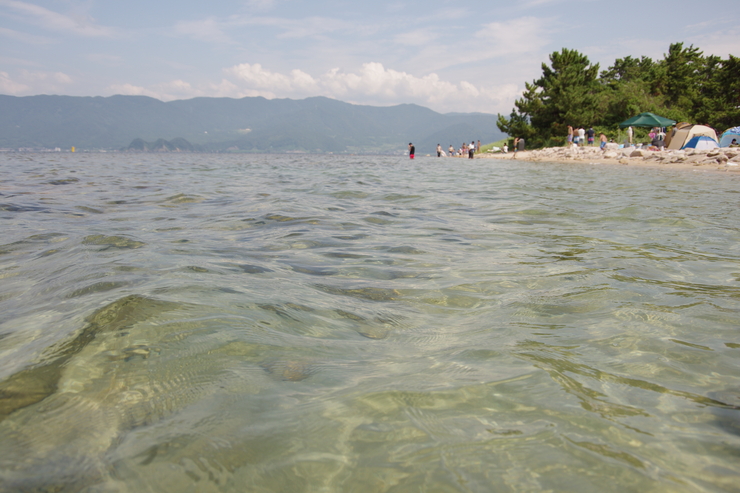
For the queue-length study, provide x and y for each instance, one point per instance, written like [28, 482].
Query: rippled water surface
[204, 323]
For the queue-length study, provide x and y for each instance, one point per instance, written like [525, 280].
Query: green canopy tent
[647, 120]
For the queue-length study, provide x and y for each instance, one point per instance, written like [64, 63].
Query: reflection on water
[282, 323]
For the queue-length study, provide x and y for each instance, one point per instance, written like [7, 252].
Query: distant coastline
[315, 125]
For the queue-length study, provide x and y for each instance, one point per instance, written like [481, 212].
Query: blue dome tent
[729, 135]
[701, 142]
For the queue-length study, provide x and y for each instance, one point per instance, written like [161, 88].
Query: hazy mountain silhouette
[218, 124]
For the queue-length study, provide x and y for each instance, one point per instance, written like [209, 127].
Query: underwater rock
[34, 384]
[290, 370]
[373, 294]
[112, 242]
[727, 416]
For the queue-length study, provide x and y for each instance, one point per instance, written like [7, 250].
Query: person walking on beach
[581, 136]
[590, 135]
[477, 147]
[518, 146]
[570, 136]
[412, 150]
[471, 150]
[439, 150]
[630, 132]
[452, 150]
[602, 138]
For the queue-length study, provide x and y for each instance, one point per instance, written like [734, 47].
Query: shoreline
[720, 159]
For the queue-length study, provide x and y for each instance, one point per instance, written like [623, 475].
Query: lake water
[208, 323]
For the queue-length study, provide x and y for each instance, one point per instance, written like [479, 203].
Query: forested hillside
[235, 125]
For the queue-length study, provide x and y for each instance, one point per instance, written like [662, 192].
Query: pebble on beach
[723, 158]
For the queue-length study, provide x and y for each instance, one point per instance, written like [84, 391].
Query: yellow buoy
[73, 148]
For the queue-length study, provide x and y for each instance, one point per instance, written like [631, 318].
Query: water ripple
[335, 323]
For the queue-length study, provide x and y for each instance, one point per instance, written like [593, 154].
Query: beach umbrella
[701, 142]
[647, 120]
[728, 135]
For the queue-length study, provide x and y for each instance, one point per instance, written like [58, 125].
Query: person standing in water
[439, 150]
[412, 150]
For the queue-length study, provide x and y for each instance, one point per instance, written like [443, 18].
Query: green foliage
[683, 86]
[719, 100]
[567, 93]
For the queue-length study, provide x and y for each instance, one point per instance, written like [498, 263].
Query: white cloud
[259, 78]
[180, 89]
[132, 90]
[10, 86]
[57, 78]
[224, 89]
[374, 84]
[34, 82]
[80, 25]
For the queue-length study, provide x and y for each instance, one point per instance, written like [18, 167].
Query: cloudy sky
[445, 55]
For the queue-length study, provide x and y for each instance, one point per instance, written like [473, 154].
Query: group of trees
[684, 86]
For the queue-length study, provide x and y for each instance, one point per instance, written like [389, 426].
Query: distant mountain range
[232, 125]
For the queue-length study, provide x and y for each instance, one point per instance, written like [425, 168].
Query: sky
[450, 56]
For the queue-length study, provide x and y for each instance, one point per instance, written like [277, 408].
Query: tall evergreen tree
[628, 69]
[679, 76]
[566, 94]
[718, 103]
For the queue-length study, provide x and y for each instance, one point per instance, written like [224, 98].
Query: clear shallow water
[302, 323]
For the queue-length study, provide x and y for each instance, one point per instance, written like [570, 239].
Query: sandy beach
[721, 159]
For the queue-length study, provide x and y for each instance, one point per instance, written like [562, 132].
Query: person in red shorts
[412, 150]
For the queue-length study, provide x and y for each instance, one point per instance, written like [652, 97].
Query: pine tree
[566, 94]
